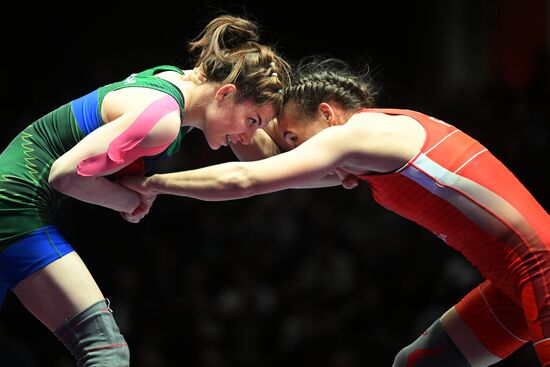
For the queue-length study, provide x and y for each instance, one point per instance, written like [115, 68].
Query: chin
[213, 146]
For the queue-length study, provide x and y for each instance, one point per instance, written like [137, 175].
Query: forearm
[225, 181]
[99, 191]
[309, 165]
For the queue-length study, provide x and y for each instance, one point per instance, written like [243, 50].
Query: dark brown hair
[320, 79]
[229, 52]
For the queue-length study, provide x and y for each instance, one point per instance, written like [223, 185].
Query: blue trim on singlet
[86, 113]
[33, 252]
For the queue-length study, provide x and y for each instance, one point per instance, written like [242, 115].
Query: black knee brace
[434, 348]
[94, 339]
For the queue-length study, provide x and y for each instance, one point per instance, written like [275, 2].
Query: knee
[94, 339]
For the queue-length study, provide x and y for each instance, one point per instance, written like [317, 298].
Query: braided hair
[229, 52]
[318, 80]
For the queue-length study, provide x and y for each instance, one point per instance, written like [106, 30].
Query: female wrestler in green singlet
[78, 150]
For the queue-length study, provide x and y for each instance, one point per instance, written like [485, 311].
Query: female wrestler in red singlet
[425, 170]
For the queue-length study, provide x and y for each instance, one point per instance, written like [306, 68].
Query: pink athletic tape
[124, 148]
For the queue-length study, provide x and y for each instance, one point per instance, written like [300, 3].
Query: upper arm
[311, 161]
[109, 148]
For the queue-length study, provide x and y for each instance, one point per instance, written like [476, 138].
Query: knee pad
[433, 348]
[94, 339]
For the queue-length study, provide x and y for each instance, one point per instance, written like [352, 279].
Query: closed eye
[290, 138]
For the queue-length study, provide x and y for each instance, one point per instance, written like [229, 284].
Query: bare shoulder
[387, 127]
[378, 120]
[123, 107]
[381, 142]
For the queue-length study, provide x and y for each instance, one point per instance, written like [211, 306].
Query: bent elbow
[59, 179]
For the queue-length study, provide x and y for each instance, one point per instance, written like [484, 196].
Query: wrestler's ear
[224, 91]
[327, 113]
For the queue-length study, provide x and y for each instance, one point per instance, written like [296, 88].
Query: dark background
[298, 278]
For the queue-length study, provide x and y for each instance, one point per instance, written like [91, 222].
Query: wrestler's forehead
[288, 115]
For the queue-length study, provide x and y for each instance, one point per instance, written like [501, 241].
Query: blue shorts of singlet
[30, 254]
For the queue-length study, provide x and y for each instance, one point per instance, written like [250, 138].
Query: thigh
[486, 325]
[59, 290]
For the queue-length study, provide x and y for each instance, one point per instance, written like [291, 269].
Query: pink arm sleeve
[124, 148]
